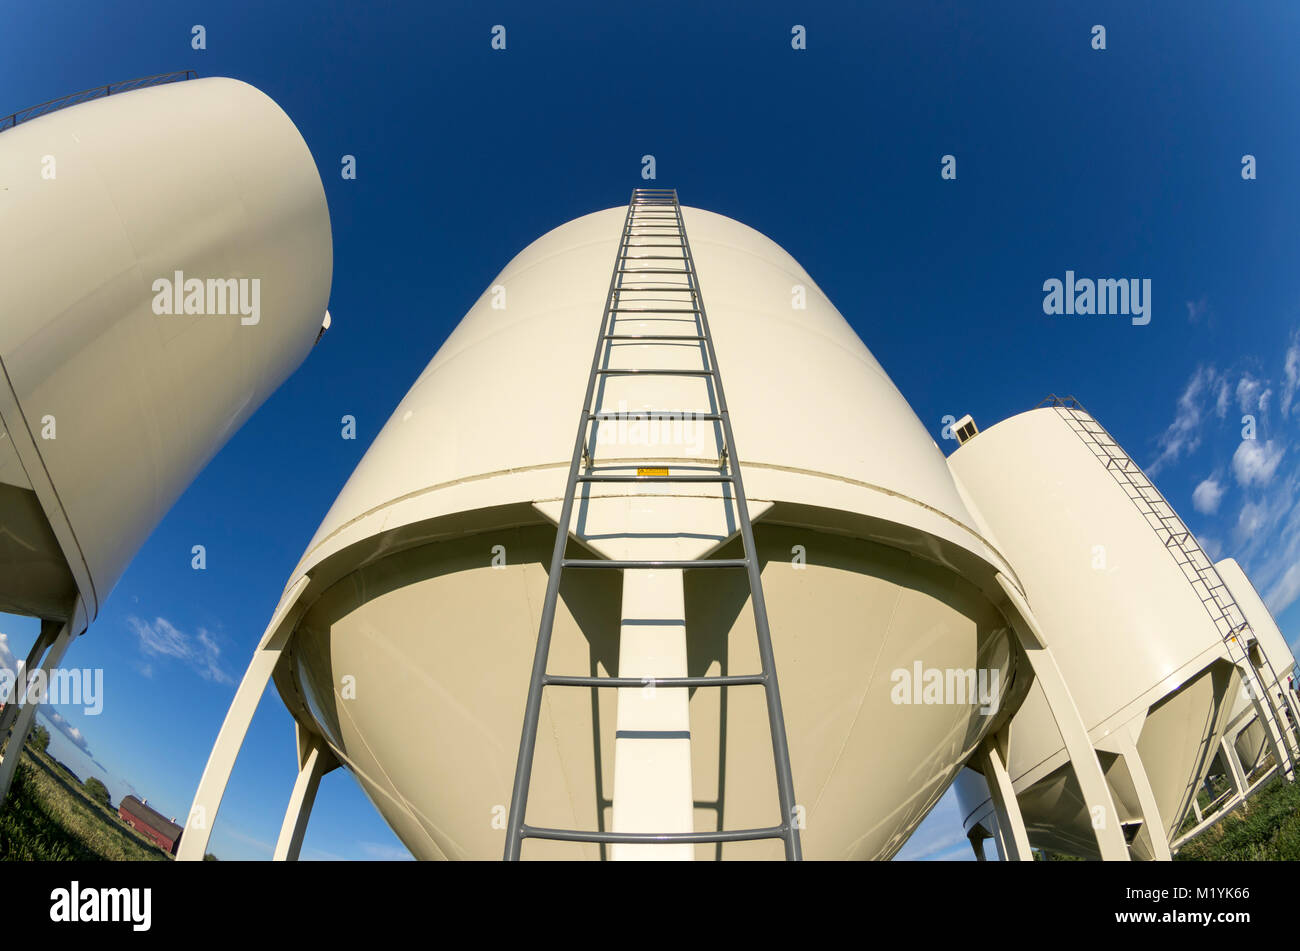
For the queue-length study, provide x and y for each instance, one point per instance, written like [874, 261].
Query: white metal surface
[1134, 643]
[653, 791]
[426, 575]
[114, 408]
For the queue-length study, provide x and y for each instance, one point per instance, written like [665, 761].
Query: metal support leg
[49, 631]
[1013, 844]
[977, 845]
[1270, 716]
[26, 716]
[207, 799]
[1293, 721]
[1137, 771]
[1083, 757]
[298, 813]
[1235, 772]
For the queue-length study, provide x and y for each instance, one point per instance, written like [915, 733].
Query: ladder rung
[692, 477]
[731, 680]
[678, 565]
[633, 415]
[654, 221]
[632, 838]
[653, 310]
[649, 337]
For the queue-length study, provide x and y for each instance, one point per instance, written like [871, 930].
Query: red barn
[164, 832]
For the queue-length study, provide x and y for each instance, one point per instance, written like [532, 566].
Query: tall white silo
[1150, 640]
[166, 260]
[403, 642]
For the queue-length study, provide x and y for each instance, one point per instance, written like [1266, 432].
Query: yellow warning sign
[652, 472]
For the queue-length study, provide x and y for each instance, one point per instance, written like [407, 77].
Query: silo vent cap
[965, 429]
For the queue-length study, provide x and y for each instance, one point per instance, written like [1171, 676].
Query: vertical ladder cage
[654, 222]
[1194, 563]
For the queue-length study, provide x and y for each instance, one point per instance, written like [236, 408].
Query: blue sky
[1117, 163]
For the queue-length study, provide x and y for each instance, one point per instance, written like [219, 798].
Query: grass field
[49, 817]
[1267, 831]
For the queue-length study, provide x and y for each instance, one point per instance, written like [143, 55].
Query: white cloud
[1255, 463]
[1291, 372]
[1284, 591]
[1183, 434]
[161, 638]
[1207, 495]
[1248, 392]
[63, 726]
[1250, 521]
[1212, 547]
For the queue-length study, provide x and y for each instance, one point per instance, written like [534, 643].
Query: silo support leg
[1013, 839]
[49, 630]
[653, 791]
[1123, 743]
[294, 828]
[977, 845]
[1293, 720]
[1237, 774]
[1083, 757]
[212, 787]
[26, 715]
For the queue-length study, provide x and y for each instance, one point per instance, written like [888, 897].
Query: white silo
[1150, 640]
[403, 642]
[166, 261]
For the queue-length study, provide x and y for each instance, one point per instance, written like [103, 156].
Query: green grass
[48, 817]
[1268, 830]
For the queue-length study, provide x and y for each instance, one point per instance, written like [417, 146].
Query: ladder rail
[533, 704]
[1207, 583]
[767, 659]
[633, 229]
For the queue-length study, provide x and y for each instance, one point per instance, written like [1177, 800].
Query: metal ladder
[654, 222]
[1192, 560]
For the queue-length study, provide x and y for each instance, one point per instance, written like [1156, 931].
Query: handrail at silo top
[86, 95]
[1067, 401]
